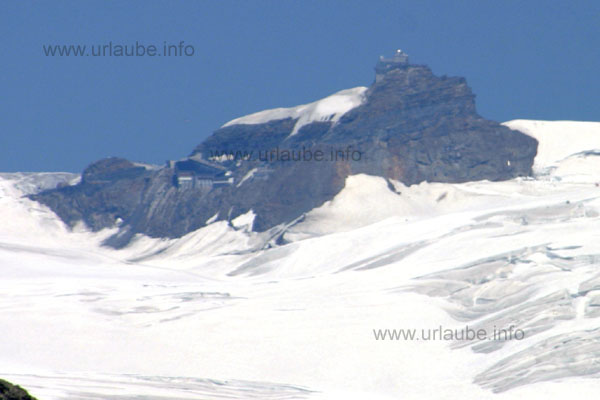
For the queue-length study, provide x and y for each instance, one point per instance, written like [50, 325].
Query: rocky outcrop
[109, 189]
[425, 128]
[412, 126]
[9, 391]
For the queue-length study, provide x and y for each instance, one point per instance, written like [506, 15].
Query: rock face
[412, 126]
[9, 391]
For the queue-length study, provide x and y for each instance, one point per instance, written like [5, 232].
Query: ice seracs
[329, 109]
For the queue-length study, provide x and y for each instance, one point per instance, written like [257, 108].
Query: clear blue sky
[535, 59]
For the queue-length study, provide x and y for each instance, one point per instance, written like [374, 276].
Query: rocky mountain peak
[409, 125]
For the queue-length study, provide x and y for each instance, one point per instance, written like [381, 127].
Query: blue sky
[523, 59]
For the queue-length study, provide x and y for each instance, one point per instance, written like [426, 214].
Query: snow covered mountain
[409, 126]
[300, 312]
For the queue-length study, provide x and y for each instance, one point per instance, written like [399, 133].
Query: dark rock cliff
[412, 126]
[9, 391]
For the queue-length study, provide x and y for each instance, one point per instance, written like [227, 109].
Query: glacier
[224, 312]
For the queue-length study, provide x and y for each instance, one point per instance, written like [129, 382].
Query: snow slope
[560, 142]
[217, 314]
[331, 108]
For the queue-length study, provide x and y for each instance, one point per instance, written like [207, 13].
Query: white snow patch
[330, 108]
[212, 219]
[248, 175]
[244, 221]
[366, 200]
[558, 140]
[35, 182]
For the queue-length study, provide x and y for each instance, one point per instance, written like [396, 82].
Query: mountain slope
[215, 314]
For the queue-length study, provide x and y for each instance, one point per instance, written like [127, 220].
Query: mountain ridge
[410, 126]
